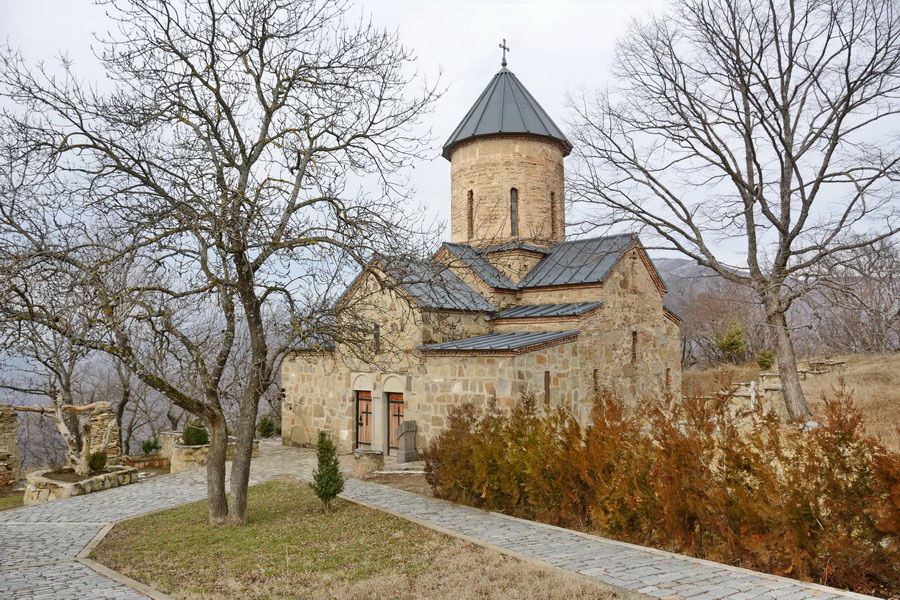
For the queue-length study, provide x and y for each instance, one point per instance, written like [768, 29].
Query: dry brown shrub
[694, 477]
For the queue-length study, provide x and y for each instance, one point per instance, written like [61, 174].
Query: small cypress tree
[733, 344]
[328, 481]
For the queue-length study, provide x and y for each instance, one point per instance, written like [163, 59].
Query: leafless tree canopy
[751, 133]
[246, 156]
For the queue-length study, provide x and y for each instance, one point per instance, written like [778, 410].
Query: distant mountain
[683, 277]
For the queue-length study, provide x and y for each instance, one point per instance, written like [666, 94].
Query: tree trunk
[255, 386]
[794, 400]
[240, 466]
[217, 502]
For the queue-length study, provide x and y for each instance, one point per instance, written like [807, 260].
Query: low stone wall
[167, 441]
[40, 489]
[187, 457]
[146, 462]
[9, 450]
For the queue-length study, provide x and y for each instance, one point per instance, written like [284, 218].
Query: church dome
[505, 106]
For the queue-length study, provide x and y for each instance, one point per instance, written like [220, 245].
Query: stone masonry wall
[9, 450]
[102, 419]
[320, 391]
[632, 304]
[490, 167]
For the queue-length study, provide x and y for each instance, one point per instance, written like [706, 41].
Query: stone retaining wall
[146, 462]
[187, 457]
[40, 489]
[9, 450]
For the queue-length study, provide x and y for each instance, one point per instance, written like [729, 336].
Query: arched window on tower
[514, 211]
[554, 221]
[470, 215]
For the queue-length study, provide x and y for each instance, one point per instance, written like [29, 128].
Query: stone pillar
[102, 418]
[9, 450]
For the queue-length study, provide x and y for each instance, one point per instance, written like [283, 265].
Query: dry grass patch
[290, 549]
[874, 383]
[872, 379]
[709, 381]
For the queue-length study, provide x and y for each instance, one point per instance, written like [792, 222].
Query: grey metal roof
[505, 106]
[580, 261]
[500, 341]
[514, 245]
[435, 286]
[669, 310]
[488, 273]
[572, 309]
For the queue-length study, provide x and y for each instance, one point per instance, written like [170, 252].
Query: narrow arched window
[554, 225]
[514, 211]
[470, 215]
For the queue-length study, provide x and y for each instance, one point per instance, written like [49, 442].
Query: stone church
[508, 307]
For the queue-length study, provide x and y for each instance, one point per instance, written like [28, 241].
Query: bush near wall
[693, 477]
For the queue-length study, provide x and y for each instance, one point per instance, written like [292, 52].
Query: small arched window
[554, 221]
[514, 211]
[470, 215]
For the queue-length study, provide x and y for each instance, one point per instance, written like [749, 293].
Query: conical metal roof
[505, 106]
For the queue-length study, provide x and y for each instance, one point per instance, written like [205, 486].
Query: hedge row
[692, 477]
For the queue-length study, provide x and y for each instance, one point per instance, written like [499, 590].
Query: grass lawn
[290, 549]
[13, 500]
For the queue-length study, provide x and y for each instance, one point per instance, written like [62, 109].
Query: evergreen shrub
[693, 476]
[150, 446]
[328, 481]
[97, 461]
[266, 427]
[765, 360]
[195, 433]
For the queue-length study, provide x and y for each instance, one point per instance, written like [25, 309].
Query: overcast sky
[557, 47]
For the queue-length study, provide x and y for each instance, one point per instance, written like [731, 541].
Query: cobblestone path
[655, 573]
[39, 545]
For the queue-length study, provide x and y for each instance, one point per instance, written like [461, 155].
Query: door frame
[391, 398]
[356, 397]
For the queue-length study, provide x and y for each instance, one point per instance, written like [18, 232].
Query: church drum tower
[506, 170]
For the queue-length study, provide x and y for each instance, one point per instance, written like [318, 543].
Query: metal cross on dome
[505, 49]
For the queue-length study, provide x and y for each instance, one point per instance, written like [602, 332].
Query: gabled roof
[571, 309]
[580, 261]
[435, 286]
[505, 106]
[502, 342]
[514, 245]
[484, 270]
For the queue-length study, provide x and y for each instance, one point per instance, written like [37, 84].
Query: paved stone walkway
[39, 545]
[654, 573]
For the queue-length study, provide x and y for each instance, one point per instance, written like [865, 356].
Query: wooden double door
[396, 409]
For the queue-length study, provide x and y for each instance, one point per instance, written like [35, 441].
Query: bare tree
[245, 159]
[856, 304]
[759, 129]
